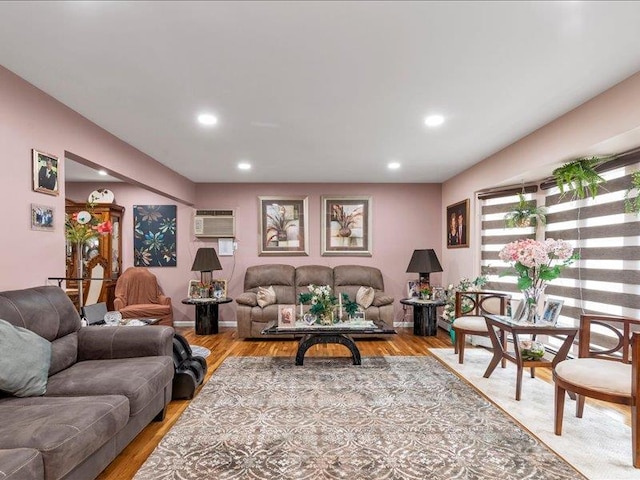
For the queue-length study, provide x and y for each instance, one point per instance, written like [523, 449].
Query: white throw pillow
[266, 296]
[24, 361]
[364, 297]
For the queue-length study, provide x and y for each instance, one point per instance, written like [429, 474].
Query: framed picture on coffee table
[286, 315]
[346, 226]
[284, 226]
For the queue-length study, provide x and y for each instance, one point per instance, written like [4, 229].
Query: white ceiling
[321, 91]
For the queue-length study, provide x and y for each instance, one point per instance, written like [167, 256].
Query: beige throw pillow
[266, 296]
[364, 297]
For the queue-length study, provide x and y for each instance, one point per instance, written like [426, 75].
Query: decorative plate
[102, 195]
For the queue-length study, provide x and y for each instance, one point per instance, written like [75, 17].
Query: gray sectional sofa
[105, 384]
[288, 282]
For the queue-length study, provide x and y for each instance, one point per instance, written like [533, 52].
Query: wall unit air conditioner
[214, 223]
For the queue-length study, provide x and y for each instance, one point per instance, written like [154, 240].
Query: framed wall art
[284, 228]
[154, 236]
[458, 225]
[42, 217]
[346, 226]
[45, 172]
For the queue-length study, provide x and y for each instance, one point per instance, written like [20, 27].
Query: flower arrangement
[465, 285]
[321, 298]
[85, 225]
[536, 263]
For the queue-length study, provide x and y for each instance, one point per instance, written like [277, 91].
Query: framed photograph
[219, 288]
[42, 217]
[346, 226]
[284, 226]
[358, 316]
[45, 172]
[286, 315]
[458, 225]
[194, 289]
[551, 312]
[413, 289]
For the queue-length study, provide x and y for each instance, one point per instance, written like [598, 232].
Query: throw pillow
[266, 296]
[364, 297]
[24, 361]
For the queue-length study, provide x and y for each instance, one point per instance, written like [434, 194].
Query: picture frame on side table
[551, 311]
[42, 217]
[194, 290]
[284, 228]
[219, 288]
[457, 227]
[413, 289]
[346, 226]
[45, 172]
[286, 315]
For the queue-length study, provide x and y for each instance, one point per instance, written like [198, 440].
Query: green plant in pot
[525, 214]
[632, 204]
[579, 177]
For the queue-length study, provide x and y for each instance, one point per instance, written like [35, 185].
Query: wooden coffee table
[338, 333]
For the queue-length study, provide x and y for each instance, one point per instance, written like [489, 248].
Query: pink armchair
[138, 295]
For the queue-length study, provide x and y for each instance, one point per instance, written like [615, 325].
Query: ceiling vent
[214, 223]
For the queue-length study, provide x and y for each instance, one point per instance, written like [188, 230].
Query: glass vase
[532, 298]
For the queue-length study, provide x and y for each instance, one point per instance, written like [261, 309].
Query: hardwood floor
[226, 344]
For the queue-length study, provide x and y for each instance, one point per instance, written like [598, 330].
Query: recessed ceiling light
[244, 166]
[434, 120]
[393, 165]
[207, 119]
[102, 172]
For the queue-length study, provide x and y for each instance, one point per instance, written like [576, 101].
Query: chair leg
[559, 410]
[460, 338]
[455, 344]
[579, 405]
[533, 372]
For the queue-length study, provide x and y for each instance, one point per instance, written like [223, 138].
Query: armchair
[138, 295]
[611, 374]
[469, 319]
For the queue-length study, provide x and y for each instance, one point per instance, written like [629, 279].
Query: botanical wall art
[154, 237]
[346, 226]
[45, 172]
[458, 224]
[42, 217]
[283, 226]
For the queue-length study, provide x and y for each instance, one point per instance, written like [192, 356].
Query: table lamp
[424, 262]
[206, 261]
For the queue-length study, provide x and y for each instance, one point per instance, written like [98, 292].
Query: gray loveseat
[105, 385]
[289, 281]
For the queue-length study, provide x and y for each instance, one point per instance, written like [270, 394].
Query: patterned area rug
[391, 418]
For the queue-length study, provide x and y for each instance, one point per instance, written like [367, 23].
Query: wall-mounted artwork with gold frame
[346, 226]
[457, 228]
[45, 172]
[284, 226]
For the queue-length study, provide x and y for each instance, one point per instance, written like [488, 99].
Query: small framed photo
[413, 289]
[458, 225]
[551, 312]
[358, 316]
[42, 217]
[45, 173]
[219, 288]
[194, 289]
[286, 315]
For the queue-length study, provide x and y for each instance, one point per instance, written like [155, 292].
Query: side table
[206, 313]
[425, 321]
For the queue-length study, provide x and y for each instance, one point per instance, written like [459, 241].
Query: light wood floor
[226, 344]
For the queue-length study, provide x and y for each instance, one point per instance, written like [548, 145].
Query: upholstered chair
[138, 295]
[609, 374]
[469, 311]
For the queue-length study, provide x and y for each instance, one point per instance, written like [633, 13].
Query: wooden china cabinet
[108, 246]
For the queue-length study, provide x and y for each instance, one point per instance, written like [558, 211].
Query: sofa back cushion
[280, 277]
[312, 275]
[49, 312]
[349, 278]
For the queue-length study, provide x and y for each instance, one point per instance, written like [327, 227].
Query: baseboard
[403, 324]
[192, 323]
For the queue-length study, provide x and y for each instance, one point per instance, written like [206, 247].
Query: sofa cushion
[380, 300]
[146, 310]
[139, 379]
[247, 298]
[357, 275]
[21, 464]
[24, 361]
[266, 296]
[65, 430]
[364, 296]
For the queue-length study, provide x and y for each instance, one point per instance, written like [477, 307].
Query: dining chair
[609, 372]
[470, 308]
[95, 289]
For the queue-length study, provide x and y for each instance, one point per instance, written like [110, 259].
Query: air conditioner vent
[215, 213]
[214, 223]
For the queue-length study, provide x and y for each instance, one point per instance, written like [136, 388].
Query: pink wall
[605, 124]
[31, 119]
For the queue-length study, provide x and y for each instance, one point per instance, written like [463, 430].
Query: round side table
[206, 313]
[425, 321]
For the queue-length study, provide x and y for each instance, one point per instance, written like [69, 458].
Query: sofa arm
[380, 300]
[250, 299]
[105, 343]
[164, 300]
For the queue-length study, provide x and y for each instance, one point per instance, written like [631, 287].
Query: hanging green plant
[579, 177]
[525, 214]
[632, 204]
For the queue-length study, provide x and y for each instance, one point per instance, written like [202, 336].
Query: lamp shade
[424, 261]
[206, 260]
